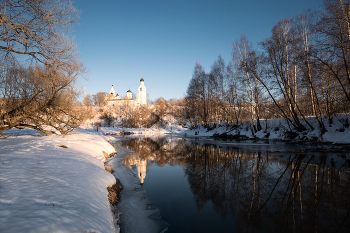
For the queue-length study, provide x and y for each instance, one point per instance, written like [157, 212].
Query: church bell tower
[141, 94]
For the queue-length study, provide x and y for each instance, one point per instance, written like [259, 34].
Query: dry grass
[107, 168]
[113, 193]
[107, 156]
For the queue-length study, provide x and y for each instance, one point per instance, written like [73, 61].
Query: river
[205, 185]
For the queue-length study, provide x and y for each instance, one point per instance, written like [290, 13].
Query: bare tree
[233, 97]
[42, 98]
[39, 66]
[279, 58]
[88, 100]
[195, 96]
[35, 29]
[99, 98]
[161, 106]
[306, 52]
[333, 39]
[219, 74]
[247, 73]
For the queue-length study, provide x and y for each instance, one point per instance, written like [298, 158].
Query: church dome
[142, 80]
[129, 91]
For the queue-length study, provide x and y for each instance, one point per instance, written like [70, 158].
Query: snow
[46, 187]
[168, 126]
[278, 129]
[273, 129]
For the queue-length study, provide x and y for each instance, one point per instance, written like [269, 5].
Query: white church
[114, 99]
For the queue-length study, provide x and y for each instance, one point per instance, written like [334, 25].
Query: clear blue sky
[122, 40]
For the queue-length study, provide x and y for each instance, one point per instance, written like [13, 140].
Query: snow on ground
[45, 187]
[273, 129]
[278, 129]
[168, 125]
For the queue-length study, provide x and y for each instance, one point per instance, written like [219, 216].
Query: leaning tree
[38, 65]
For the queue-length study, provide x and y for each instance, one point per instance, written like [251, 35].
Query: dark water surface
[211, 186]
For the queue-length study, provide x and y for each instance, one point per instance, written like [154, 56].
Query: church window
[140, 88]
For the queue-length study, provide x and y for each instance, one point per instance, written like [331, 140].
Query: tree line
[302, 69]
[130, 116]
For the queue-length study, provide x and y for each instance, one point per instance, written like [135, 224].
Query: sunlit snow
[45, 187]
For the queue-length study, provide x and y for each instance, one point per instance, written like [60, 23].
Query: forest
[302, 69]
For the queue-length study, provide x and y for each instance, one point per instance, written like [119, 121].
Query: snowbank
[278, 129]
[167, 125]
[338, 132]
[54, 183]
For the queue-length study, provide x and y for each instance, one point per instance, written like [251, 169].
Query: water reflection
[262, 192]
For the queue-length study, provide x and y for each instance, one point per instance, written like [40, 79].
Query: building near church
[114, 99]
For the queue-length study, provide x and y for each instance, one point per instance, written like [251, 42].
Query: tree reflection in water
[290, 193]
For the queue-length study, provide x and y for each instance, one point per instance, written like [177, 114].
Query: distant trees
[137, 117]
[220, 96]
[160, 105]
[99, 98]
[39, 66]
[134, 116]
[197, 111]
[208, 95]
[301, 69]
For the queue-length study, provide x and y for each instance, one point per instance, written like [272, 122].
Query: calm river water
[217, 186]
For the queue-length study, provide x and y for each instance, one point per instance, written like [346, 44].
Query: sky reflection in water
[204, 187]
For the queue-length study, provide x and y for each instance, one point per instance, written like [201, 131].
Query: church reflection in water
[145, 149]
[141, 165]
[262, 191]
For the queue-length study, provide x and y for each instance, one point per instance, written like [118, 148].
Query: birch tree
[333, 30]
[278, 51]
[304, 28]
[242, 51]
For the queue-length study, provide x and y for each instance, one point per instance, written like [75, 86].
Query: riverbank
[336, 132]
[55, 183]
[279, 130]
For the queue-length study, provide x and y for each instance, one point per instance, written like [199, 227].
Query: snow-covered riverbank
[278, 129]
[273, 129]
[54, 183]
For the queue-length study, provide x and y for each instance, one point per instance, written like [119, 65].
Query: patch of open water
[211, 186]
